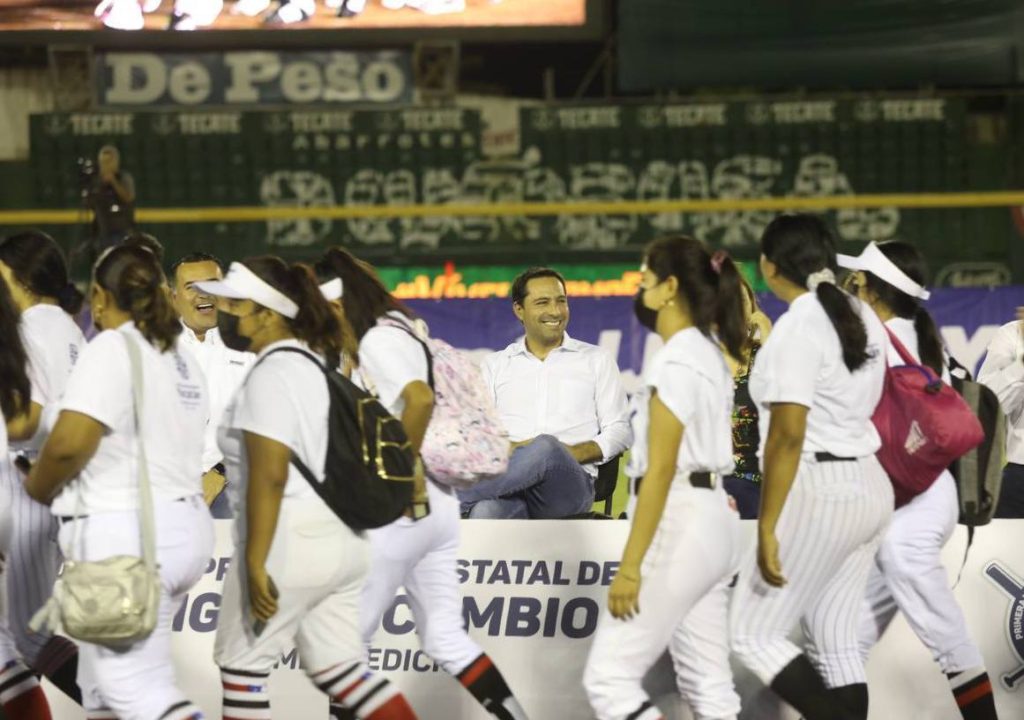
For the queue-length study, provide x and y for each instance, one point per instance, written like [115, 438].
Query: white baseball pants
[908, 575]
[421, 556]
[829, 531]
[683, 606]
[318, 565]
[139, 684]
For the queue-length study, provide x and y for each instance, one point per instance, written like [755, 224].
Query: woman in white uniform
[88, 470]
[419, 555]
[671, 589]
[36, 273]
[825, 500]
[298, 571]
[20, 693]
[908, 574]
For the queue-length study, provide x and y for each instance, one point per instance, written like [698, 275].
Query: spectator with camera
[111, 197]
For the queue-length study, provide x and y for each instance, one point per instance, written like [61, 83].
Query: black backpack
[370, 464]
[979, 473]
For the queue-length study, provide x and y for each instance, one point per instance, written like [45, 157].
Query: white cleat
[120, 14]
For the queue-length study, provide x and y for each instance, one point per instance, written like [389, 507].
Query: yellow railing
[1008, 198]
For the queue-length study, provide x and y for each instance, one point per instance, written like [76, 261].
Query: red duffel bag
[924, 423]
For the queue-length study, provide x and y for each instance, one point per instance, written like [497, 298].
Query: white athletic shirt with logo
[224, 370]
[284, 398]
[802, 363]
[53, 343]
[690, 376]
[175, 412]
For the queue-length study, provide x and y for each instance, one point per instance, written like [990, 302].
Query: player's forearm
[55, 467]
[781, 461]
[263, 507]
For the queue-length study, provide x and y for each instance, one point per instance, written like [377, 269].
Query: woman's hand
[262, 594]
[624, 595]
[768, 560]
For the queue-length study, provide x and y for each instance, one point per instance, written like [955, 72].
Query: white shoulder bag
[111, 602]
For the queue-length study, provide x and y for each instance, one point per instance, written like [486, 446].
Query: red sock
[368, 696]
[397, 708]
[20, 694]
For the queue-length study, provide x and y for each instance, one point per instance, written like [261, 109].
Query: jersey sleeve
[678, 386]
[100, 384]
[391, 359]
[792, 369]
[266, 408]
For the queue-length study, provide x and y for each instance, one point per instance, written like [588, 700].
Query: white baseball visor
[332, 290]
[874, 261]
[241, 283]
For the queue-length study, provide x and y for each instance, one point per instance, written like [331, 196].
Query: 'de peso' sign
[253, 78]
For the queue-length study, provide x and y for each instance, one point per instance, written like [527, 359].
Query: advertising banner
[251, 78]
[532, 595]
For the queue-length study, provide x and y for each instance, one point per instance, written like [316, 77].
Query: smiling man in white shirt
[1003, 372]
[225, 369]
[563, 404]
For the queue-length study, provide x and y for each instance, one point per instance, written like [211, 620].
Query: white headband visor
[241, 283]
[332, 290]
[874, 261]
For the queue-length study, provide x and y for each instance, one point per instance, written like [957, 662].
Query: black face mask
[227, 326]
[644, 315]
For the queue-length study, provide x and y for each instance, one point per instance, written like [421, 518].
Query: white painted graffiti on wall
[527, 179]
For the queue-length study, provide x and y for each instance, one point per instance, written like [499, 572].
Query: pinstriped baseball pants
[829, 531]
[33, 558]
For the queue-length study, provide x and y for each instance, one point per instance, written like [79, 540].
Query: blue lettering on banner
[530, 572]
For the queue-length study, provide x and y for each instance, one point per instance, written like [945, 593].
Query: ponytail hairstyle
[801, 245]
[912, 264]
[133, 276]
[365, 298]
[709, 283]
[317, 324]
[37, 262]
[15, 390]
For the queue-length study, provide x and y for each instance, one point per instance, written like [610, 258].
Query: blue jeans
[543, 481]
[220, 508]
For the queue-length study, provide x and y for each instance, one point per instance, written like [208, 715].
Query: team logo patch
[916, 439]
[1014, 588]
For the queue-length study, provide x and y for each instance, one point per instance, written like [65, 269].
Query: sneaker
[250, 8]
[120, 14]
[290, 13]
[181, 21]
[149, 6]
[351, 8]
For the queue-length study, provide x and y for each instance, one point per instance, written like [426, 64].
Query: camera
[86, 173]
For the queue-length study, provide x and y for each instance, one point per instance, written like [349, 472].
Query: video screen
[180, 16]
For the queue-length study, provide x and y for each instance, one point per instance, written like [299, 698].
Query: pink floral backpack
[465, 441]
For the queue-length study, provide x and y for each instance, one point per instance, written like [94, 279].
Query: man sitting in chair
[564, 407]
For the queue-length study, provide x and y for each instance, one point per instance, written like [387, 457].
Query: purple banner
[967, 318]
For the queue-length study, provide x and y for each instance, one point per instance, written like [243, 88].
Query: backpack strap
[295, 459]
[901, 350]
[426, 349]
